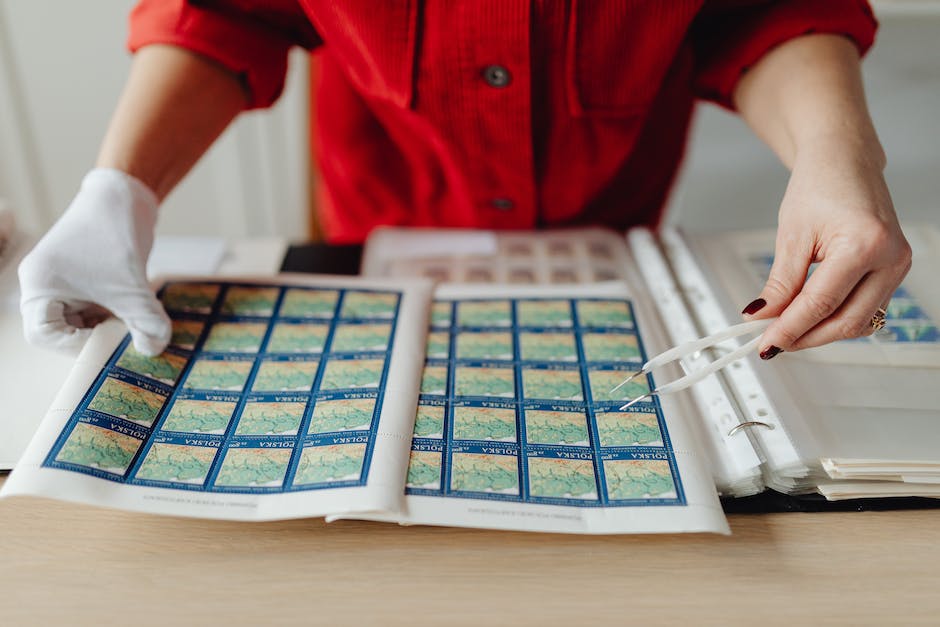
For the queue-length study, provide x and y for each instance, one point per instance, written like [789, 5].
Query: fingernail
[770, 352]
[754, 306]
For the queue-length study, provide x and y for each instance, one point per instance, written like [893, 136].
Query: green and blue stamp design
[263, 389]
[516, 405]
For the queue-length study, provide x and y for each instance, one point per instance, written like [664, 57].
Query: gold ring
[878, 320]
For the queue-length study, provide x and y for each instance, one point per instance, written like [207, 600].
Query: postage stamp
[352, 373]
[253, 467]
[629, 428]
[197, 416]
[603, 381]
[479, 274]
[484, 345]
[562, 478]
[96, 447]
[250, 301]
[235, 337]
[521, 274]
[481, 472]
[190, 297]
[599, 250]
[290, 337]
[308, 303]
[484, 423]
[440, 313]
[424, 470]
[563, 274]
[610, 347]
[543, 313]
[369, 305]
[639, 479]
[270, 418]
[516, 248]
[434, 380]
[560, 248]
[438, 345]
[165, 368]
[544, 426]
[552, 384]
[601, 313]
[186, 333]
[484, 313]
[484, 381]
[429, 421]
[343, 414]
[355, 338]
[214, 374]
[325, 464]
[177, 463]
[548, 346]
[128, 401]
[285, 376]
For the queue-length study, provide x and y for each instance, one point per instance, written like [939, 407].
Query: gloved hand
[92, 262]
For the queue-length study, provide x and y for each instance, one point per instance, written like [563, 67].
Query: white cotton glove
[92, 262]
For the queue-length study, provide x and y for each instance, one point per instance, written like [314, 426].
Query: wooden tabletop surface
[78, 565]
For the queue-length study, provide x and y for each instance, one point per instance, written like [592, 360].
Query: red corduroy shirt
[504, 114]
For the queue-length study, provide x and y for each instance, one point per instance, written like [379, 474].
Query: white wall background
[62, 65]
[730, 179]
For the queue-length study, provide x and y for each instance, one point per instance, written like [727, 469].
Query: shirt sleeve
[249, 41]
[731, 36]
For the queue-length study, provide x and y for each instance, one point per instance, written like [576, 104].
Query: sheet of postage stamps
[516, 405]
[274, 397]
[264, 389]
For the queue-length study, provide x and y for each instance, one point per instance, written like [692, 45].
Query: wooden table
[76, 565]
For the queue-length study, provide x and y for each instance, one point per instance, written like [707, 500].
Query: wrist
[127, 189]
[115, 201]
[860, 148]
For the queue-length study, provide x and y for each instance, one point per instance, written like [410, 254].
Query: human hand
[91, 263]
[836, 211]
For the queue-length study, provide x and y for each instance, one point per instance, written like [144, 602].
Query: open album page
[517, 428]
[286, 397]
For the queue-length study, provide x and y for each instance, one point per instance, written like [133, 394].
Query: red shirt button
[497, 76]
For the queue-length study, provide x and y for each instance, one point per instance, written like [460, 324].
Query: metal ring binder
[749, 423]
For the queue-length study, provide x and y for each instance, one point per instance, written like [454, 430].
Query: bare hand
[836, 211]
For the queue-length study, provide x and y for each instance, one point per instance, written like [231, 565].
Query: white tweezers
[688, 348]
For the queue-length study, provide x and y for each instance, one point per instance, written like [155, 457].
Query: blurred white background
[62, 65]
[730, 179]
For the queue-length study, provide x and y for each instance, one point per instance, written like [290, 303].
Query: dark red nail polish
[770, 352]
[754, 306]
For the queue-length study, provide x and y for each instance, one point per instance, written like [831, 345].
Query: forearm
[174, 105]
[807, 95]
[805, 99]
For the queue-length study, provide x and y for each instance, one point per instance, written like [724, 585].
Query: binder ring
[750, 423]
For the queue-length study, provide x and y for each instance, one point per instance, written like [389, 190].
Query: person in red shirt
[502, 114]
